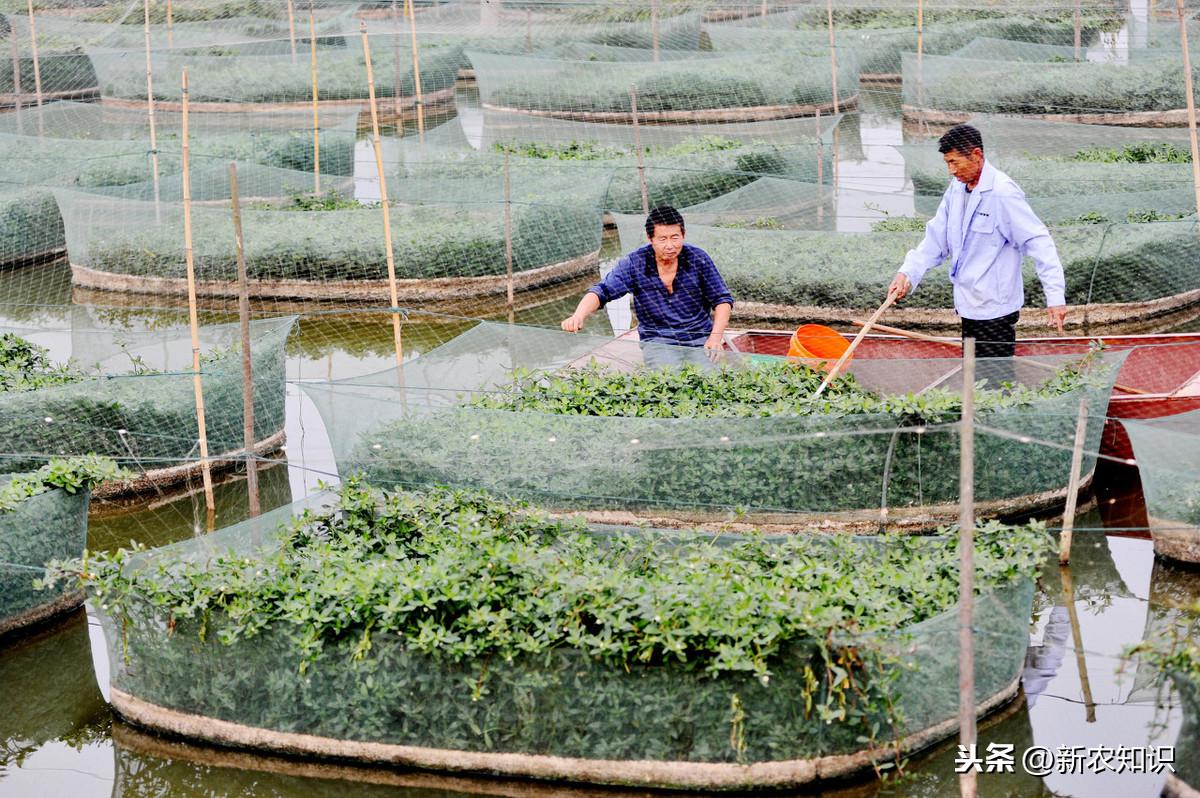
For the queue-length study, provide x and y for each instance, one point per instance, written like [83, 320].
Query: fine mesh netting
[1103, 263]
[48, 526]
[1168, 459]
[129, 396]
[430, 427]
[538, 703]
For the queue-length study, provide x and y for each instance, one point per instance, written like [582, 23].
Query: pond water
[58, 737]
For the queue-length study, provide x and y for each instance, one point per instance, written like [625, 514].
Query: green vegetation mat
[745, 437]
[457, 620]
[43, 517]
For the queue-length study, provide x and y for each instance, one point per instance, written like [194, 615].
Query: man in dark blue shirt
[681, 302]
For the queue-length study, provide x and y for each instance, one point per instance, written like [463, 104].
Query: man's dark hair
[663, 214]
[960, 138]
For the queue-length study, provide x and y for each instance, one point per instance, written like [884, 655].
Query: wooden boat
[1160, 377]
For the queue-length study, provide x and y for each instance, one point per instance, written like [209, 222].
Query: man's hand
[715, 346]
[900, 286]
[1058, 314]
[572, 323]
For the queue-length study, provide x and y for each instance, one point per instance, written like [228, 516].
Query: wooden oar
[837, 367]
[916, 336]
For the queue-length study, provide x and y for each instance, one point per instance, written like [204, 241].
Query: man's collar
[987, 177]
[652, 264]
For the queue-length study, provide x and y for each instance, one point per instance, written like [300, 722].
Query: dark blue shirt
[681, 316]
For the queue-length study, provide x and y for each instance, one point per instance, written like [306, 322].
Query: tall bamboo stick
[150, 110]
[244, 327]
[193, 318]
[170, 24]
[17, 93]
[967, 781]
[508, 240]
[416, 61]
[820, 169]
[637, 148]
[1085, 682]
[832, 54]
[316, 115]
[291, 12]
[654, 29]
[1191, 100]
[1078, 29]
[383, 203]
[1068, 522]
[37, 66]
[920, 53]
[397, 77]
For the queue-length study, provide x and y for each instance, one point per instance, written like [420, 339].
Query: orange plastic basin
[817, 342]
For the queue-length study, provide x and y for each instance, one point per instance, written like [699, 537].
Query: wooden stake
[316, 116]
[37, 66]
[820, 169]
[193, 318]
[150, 111]
[383, 203]
[17, 93]
[920, 53]
[654, 29]
[1085, 683]
[416, 61]
[170, 24]
[967, 782]
[1191, 100]
[832, 54]
[397, 109]
[637, 148]
[244, 326]
[841, 361]
[291, 12]
[1068, 522]
[508, 239]
[1079, 30]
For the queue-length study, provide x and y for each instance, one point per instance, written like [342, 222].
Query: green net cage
[1167, 454]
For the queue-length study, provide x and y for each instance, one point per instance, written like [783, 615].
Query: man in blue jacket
[681, 302]
[985, 226]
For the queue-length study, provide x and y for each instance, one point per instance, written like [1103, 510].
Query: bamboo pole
[967, 781]
[920, 53]
[529, 30]
[193, 318]
[150, 112]
[832, 54]
[845, 358]
[1191, 100]
[37, 66]
[508, 240]
[316, 114]
[170, 24]
[291, 12]
[397, 108]
[244, 327]
[416, 61]
[383, 203]
[654, 29]
[1068, 522]
[820, 169]
[1079, 30]
[1085, 682]
[637, 148]
[17, 93]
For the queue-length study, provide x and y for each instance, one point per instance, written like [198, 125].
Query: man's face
[964, 167]
[667, 241]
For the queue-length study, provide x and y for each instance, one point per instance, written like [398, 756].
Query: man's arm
[616, 284]
[1027, 232]
[929, 253]
[721, 315]
[719, 298]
